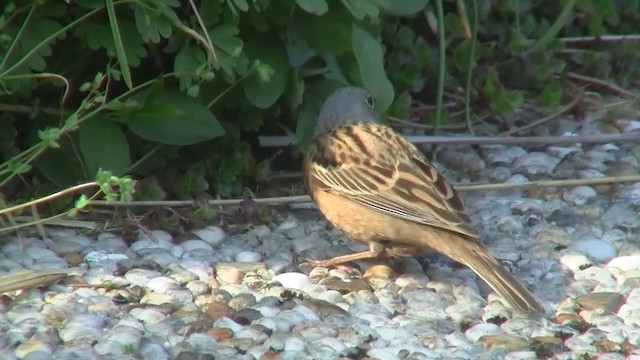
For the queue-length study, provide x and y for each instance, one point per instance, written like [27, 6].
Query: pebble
[536, 163]
[625, 263]
[248, 257]
[212, 235]
[95, 258]
[607, 301]
[477, 331]
[293, 280]
[596, 249]
[579, 195]
[196, 245]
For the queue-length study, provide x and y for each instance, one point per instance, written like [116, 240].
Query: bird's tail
[500, 280]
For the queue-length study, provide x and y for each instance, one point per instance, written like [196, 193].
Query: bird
[378, 188]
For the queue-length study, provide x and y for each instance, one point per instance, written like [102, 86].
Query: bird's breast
[366, 225]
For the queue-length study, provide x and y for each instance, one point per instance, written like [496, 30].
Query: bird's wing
[374, 166]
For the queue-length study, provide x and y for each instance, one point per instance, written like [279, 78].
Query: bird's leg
[375, 250]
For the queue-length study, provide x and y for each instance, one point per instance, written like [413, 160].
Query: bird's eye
[371, 101]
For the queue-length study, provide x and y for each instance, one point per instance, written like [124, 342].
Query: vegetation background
[95, 93]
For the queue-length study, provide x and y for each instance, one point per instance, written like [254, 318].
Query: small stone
[242, 301]
[162, 284]
[73, 258]
[575, 262]
[248, 257]
[32, 346]
[65, 246]
[607, 301]
[630, 193]
[536, 163]
[287, 225]
[145, 242]
[140, 277]
[379, 276]
[505, 341]
[596, 249]
[501, 154]
[620, 216]
[271, 355]
[561, 152]
[625, 263]
[97, 257]
[196, 245]
[579, 195]
[345, 286]
[212, 235]
[462, 160]
[220, 334]
[293, 280]
[323, 307]
[229, 274]
[216, 310]
[246, 316]
[482, 329]
[571, 319]
[161, 235]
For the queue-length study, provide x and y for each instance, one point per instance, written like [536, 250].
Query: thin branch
[78, 224]
[219, 202]
[305, 198]
[607, 86]
[414, 125]
[602, 38]
[283, 141]
[51, 197]
[208, 44]
[545, 119]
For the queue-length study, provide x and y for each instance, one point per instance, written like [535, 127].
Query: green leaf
[32, 42]
[359, 9]
[186, 64]
[501, 100]
[263, 92]
[174, 118]
[401, 105]
[329, 34]
[295, 90]
[117, 39]
[230, 167]
[368, 52]
[228, 49]
[191, 181]
[317, 7]
[62, 166]
[93, 34]
[152, 25]
[551, 94]
[149, 189]
[402, 7]
[241, 5]
[224, 38]
[104, 146]
[314, 97]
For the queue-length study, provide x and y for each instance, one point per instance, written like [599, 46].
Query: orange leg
[375, 250]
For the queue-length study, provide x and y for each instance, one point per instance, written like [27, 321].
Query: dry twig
[282, 141]
[305, 198]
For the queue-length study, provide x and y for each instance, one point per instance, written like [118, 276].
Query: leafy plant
[173, 93]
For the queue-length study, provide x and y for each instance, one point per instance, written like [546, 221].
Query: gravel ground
[208, 295]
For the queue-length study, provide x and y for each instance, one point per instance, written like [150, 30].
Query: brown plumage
[377, 188]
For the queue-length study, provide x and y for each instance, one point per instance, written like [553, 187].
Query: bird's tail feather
[500, 280]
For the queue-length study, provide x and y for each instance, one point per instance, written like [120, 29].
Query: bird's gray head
[346, 105]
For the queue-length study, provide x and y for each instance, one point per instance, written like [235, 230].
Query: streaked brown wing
[374, 166]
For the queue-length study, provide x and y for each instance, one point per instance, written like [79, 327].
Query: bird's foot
[318, 263]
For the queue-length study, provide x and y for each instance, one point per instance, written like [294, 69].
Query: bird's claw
[313, 263]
